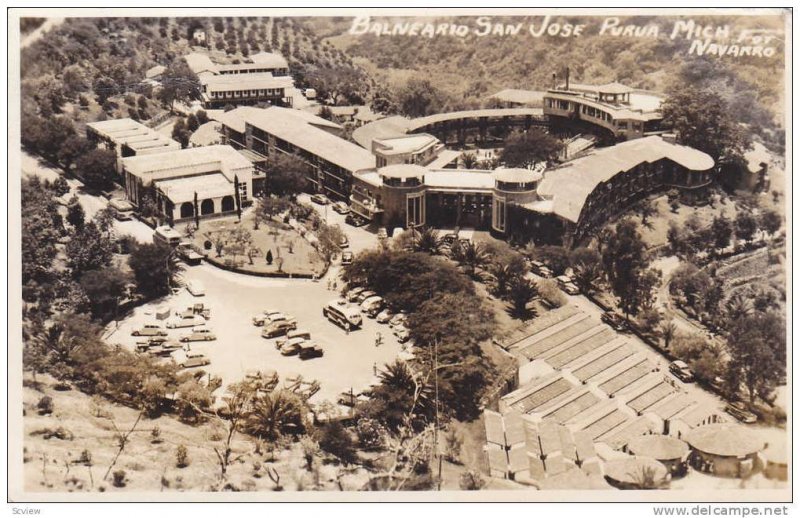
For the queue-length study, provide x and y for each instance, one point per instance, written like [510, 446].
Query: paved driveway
[234, 299]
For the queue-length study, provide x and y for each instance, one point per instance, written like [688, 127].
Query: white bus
[348, 317]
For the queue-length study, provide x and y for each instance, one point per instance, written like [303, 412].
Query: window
[415, 209]
[499, 214]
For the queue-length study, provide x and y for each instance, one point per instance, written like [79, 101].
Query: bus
[347, 317]
[167, 236]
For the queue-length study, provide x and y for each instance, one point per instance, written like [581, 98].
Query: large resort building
[126, 138]
[402, 173]
[265, 79]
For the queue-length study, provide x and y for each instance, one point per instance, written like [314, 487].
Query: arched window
[227, 204]
[187, 210]
[207, 207]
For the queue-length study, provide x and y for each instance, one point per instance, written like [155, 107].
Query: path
[39, 32]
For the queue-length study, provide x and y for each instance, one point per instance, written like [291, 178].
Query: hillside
[473, 67]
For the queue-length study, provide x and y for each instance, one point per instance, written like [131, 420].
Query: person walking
[378, 339]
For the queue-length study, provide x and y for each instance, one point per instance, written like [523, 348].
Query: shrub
[370, 433]
[471, 481]
[119, 478]
[85, 458]
[155, 435]
[181, 456]
[208, 244]
[45, 405]
[337, 441]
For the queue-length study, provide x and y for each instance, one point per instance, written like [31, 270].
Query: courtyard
[348, 362]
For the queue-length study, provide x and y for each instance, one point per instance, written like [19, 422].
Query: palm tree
[468, 160]
[521, 292]
[473, 256]
[397, 379]
[427, 240]
[275, 414]
[738, 307]
[502, 274]
[646, 211]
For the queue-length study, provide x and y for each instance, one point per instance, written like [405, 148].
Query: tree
[555, 257]
[328, 239]
[179, 84]
[757, 346]
[721, 230]
[625, 261]
[104, 289]
[72, 149]
[702, 119]
[770, 221]
[667, 331]
[276, 414]
[326, 113]
[269, 257]
[337, 441]
[270, 206]
[737, 307]
[104, 87]
[646, 210]
[287, 175]
[526, 149]
[746, 226]
[427, 241]
[76, 216]
[402, 397]
[468, 160]
[155, 268]
[88, 250]
[97, 168]
[521, 293]
[587, 268]
[181, 133]
[473, 256]
[419, 98]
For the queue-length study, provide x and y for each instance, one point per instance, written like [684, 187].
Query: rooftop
[182, 190]
[405, 144]
[630, 470]
[402, 171]
[238, 117]
[608, 88]
[187, 162]
[134, 134]
[200, 63]
[297, 128]
[238, 82]
[511, 95]
[459, 179]
[571, 184]
[725, 440]
[660, 447]
[516, 175]
[207, 134]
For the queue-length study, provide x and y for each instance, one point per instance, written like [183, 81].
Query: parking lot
[234, 299]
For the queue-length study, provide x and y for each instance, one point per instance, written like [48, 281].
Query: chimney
[567, 78]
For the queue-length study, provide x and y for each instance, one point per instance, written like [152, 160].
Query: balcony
[366, 208]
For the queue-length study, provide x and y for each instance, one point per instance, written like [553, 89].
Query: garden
[268, 248]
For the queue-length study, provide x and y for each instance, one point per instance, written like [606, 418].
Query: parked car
[384, 316]
[347, 258]
[292, 347]
[341, 207]
[187, 321]
[259, 320]
[353, 294]
[310, 350]
[372, 306]
[149, 330]
[545, 272]
[188, 254]
[382, 234]
[196, 288]
[614, 319]
[292, 335]
[320, 199]
[262, 380]
[281, 327]
[163, 349]
[398, 320]
[356, 221]
[741, 413]
[402, 333]
[449, 239]
[571, 289]
[277, 317]
[188, 359]
[351, 398]
[681, 371]
[364, 295]
[199, 335]
[344, 242]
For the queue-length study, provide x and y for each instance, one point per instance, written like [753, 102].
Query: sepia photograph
[364, 254]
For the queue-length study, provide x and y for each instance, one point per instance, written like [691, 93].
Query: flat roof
[608, 88]
[403, 171]
[660, 447]
[237, 82]
[406, 144]
[513, 95]
[628, 470]
[460, 179]
[569, 185]
[516, 175]
[134, 134]
[446, 156]
[200, 63]
[182, 190]
[237, 118]
[642, 107]
[287, 126]
[187, 162]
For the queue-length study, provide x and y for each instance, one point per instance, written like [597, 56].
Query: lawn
[271, 249]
